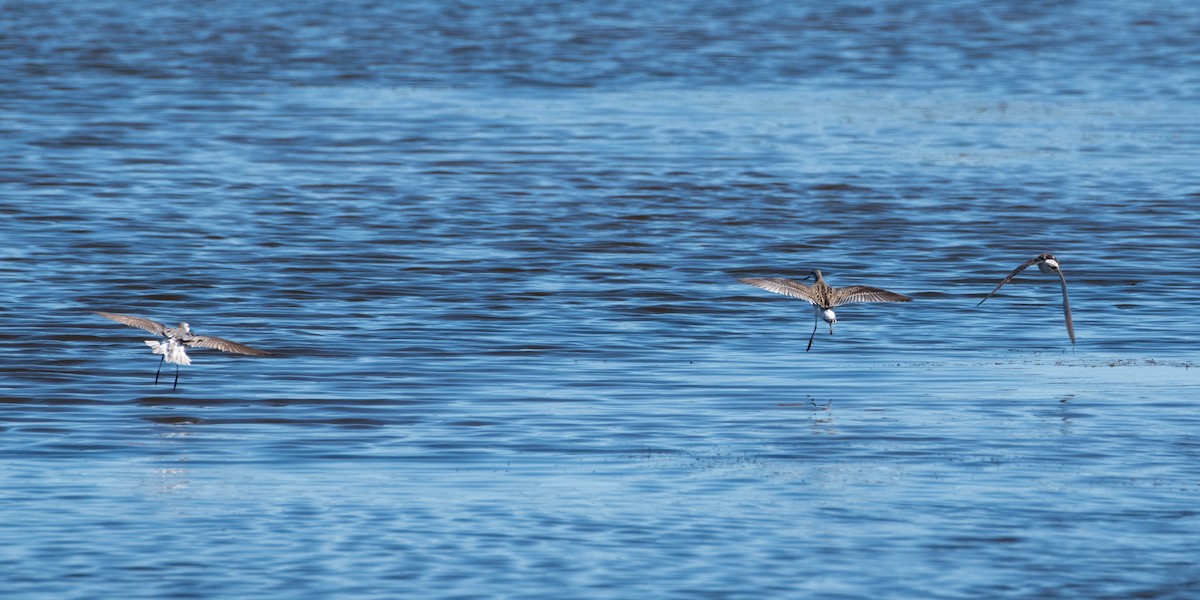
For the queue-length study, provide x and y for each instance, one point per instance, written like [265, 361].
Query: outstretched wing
[1067, 307]
[152, 326]
[864, 293]
[1017, 271]
[216, 343]
[780, 285]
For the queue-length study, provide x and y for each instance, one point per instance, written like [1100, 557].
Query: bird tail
[174, 352]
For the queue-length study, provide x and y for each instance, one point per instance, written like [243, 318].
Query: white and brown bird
[1047, 264]
[178, 339]
[822, 296]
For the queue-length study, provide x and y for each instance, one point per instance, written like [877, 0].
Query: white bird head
[1048, 264]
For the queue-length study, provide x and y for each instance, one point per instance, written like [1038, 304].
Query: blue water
[494, 251]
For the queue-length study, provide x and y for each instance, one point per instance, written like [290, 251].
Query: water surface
[495, 252]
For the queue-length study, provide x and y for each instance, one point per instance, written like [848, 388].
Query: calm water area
[493, 249]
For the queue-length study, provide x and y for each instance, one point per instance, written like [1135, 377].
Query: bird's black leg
[816, 321]
[176, 377]
[159, 369]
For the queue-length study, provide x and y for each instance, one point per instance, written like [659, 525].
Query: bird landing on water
[173, 349]
[822, 296]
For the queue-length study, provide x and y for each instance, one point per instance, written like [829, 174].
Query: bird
[822, 296]
[1047, 264]
[178, 340]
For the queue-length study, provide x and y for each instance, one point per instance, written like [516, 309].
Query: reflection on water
[496, 251]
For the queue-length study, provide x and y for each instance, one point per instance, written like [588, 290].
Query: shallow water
[495, 254]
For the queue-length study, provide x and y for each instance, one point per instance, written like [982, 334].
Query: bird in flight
[822, 296]
[178, 339]
[1047, 264]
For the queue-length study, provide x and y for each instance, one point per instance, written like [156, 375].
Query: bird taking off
[178, 339]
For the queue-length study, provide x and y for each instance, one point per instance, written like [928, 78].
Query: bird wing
[1067, 307]
[152, 326]
[1017, 271]
[863, 293]
[224, 345]
[779, 285]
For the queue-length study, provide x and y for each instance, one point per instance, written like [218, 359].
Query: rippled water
[494, 251]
